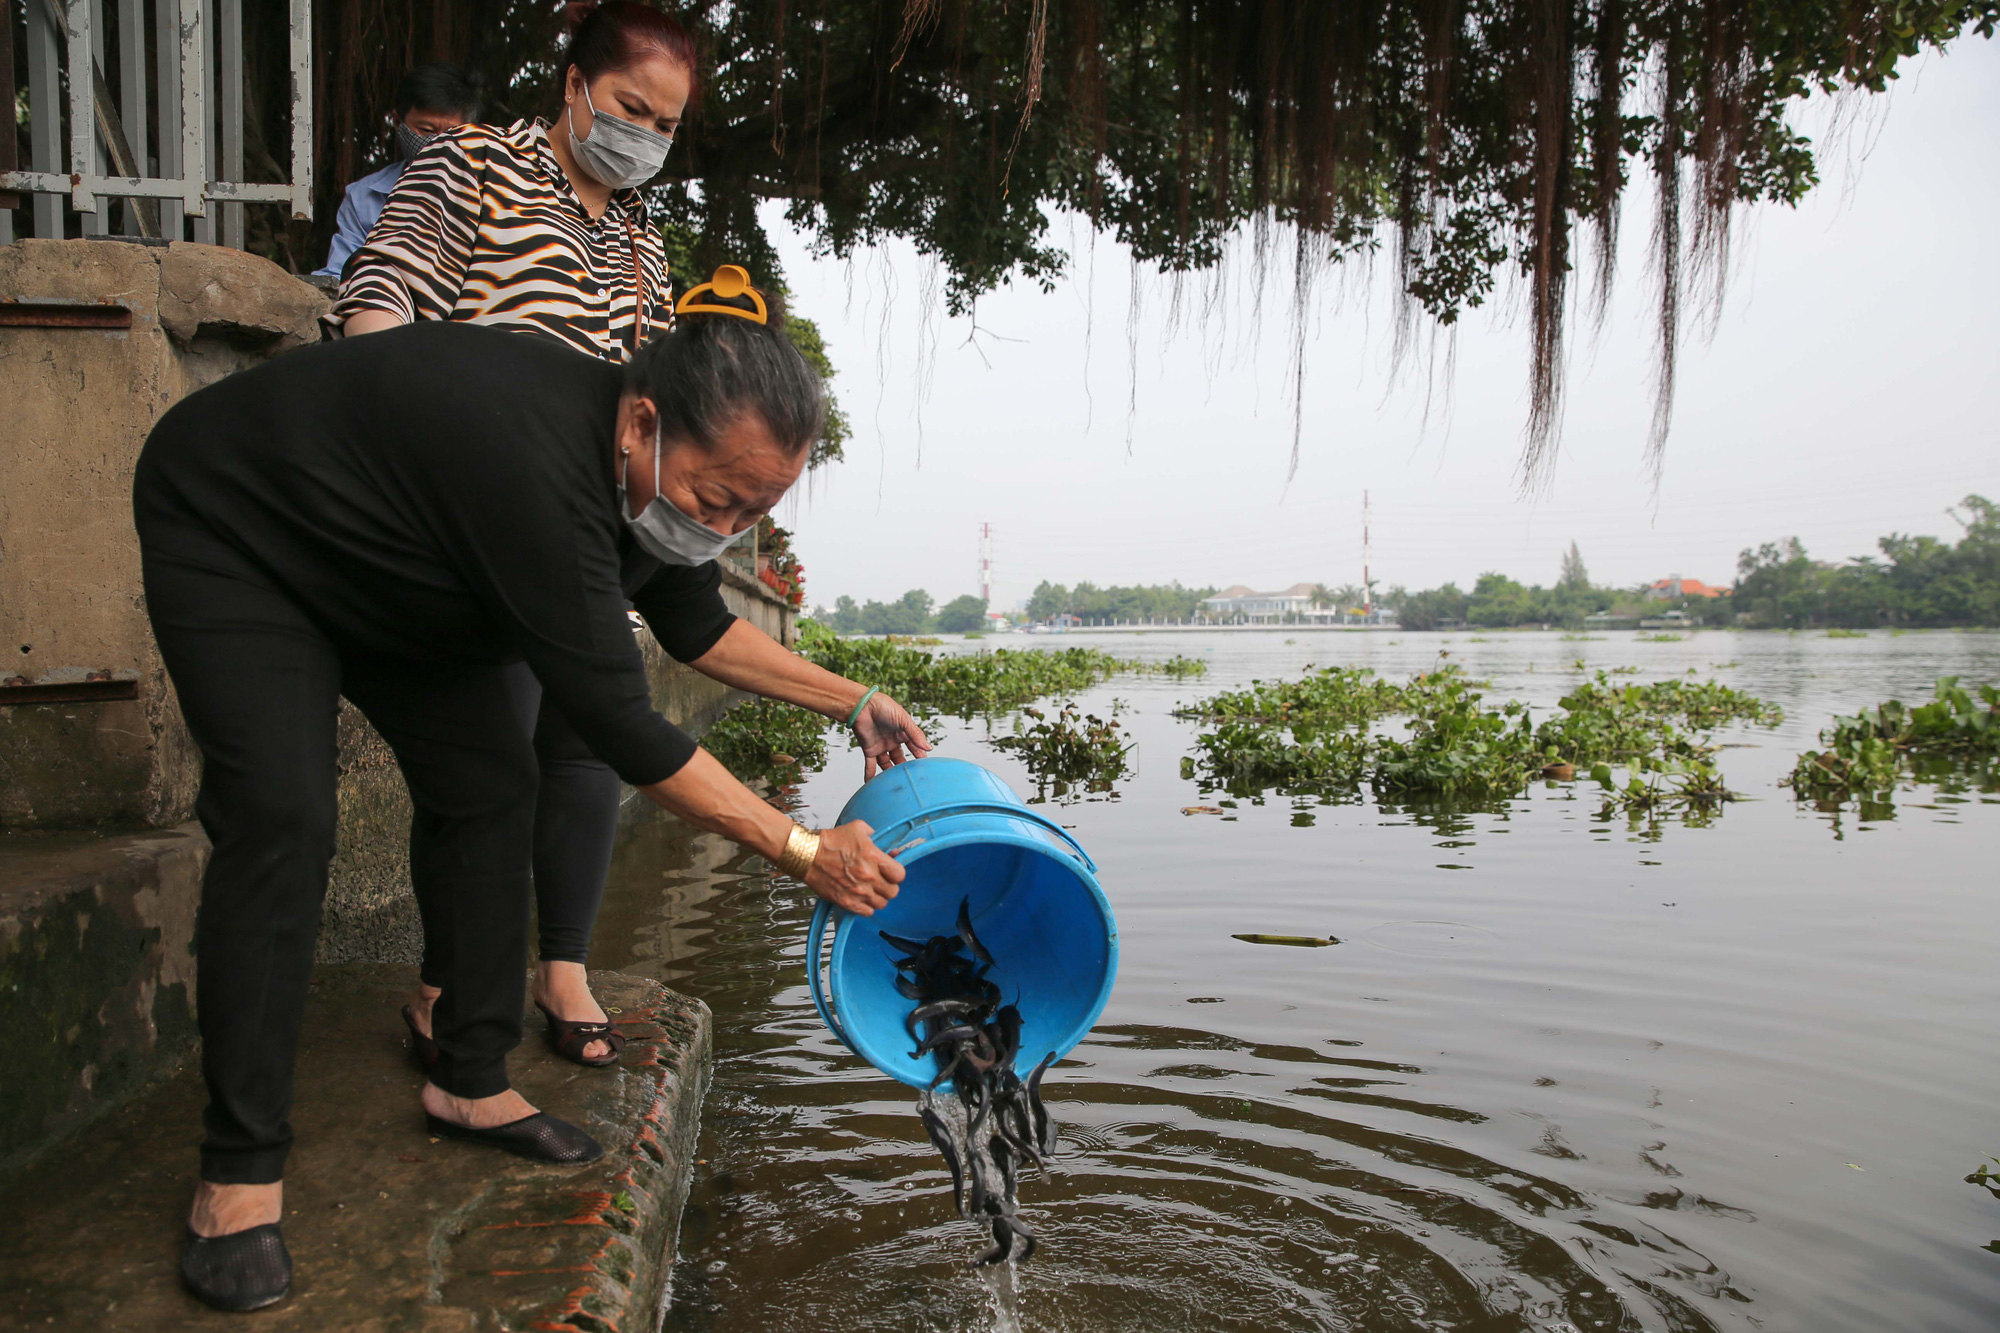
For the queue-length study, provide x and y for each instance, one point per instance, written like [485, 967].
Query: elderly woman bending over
[397, 519]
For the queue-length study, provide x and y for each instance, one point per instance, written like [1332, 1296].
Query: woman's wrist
[853, 714]
[800, 851]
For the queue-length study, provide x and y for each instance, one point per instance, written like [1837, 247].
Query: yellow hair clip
[730, 282]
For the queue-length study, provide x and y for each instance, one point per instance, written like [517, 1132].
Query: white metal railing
[108, 141]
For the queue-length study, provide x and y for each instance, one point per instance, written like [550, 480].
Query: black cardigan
[442, 491]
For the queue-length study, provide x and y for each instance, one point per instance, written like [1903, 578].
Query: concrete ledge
[96, 973]
[389, 1229]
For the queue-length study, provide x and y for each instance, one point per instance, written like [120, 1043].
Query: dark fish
[972, 943]
[924, 1013]
[941, 1140]
[1003, 1245]
[910, 947]
[949, 1036]
[1038, 1114]
[908, 989]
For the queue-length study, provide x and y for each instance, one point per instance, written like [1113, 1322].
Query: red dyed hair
[618, 34]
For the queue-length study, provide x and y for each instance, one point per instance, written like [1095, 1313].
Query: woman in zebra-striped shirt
[541, 229]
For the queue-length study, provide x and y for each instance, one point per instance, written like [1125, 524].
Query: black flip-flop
[539, 1138]
[569, 1039]
[424, 1047]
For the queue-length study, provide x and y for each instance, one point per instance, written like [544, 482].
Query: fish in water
[981, 1116]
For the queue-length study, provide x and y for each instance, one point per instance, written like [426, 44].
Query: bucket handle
[815, 965]
[884, 837]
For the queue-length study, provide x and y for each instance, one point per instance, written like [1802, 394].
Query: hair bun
[575, 12]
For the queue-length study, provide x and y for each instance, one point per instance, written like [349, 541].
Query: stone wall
[98, 338]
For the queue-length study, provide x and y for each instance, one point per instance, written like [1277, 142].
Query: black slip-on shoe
[244, 1270]
[539, 1138]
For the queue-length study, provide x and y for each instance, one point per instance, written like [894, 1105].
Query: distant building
[1673, 587]
[1241, 603]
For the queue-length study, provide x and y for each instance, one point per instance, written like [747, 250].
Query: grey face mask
[663, 531]
[410, 142]
[617, 153]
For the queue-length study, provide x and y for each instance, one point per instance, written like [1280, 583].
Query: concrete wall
[79, 402]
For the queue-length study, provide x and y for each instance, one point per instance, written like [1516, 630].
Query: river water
[1559, 1074]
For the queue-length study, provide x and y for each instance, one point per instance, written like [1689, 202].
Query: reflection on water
[1561, 1073]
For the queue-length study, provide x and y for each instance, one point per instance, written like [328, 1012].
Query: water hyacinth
[1311, 737]
[1869, 754]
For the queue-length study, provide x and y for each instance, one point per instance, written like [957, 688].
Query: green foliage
[768, 740]
[969, 684]
[1987, 1175]
[1868, 754]
[1310, 736]
[1246, 759]
[1179, 666]
[910, 614]
[1330, 696]
[1068, 749]
[1139, 602]
[961, 615]
[1921, 581]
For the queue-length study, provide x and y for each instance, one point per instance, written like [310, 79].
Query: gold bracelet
[801, 850]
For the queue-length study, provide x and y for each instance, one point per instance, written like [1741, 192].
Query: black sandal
[244, 1270]
[539, 1138]
[569, 1039]
[425, 1048]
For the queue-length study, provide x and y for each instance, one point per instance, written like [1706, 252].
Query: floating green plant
[1659, 638]
[766, 739]
[1868, 754]
[1310, 737]
[1068, 748]
[1838, 633]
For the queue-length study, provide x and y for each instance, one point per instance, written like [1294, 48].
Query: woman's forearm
[748, 659]
[707, 795]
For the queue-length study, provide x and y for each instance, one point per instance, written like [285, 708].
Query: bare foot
[564, 990]
[222, 1210]
[476, 1112]
[421, 1005]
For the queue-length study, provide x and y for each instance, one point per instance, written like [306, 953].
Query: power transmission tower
[986, 564]
[1367, 583]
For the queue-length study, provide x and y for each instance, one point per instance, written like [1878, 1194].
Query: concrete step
[96, 973]
[389, 1229]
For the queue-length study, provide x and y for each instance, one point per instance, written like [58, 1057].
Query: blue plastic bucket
[964, 836]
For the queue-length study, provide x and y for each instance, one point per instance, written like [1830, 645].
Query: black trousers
[259, 685]
[576, 825]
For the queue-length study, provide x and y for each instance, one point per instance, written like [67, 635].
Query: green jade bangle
[855, 716]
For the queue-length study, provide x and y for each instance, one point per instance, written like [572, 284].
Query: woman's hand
[851, 872]
[889, 735]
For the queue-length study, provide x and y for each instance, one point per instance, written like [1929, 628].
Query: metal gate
[168, 171]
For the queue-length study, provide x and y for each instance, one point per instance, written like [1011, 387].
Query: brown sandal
[568, 1039]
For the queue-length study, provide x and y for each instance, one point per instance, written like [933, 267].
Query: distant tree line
[1497, 601]
[912, 613]
[1919, 581]
[1161, 601]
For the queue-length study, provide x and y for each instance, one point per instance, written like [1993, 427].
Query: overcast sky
[1852, 388]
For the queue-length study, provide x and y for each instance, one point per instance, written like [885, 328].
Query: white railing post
[302, 151]
[81, 117]
[194, 117]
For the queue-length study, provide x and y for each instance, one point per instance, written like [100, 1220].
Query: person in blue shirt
[430, 100]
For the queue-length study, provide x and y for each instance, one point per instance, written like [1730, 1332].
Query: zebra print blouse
[484, 227]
